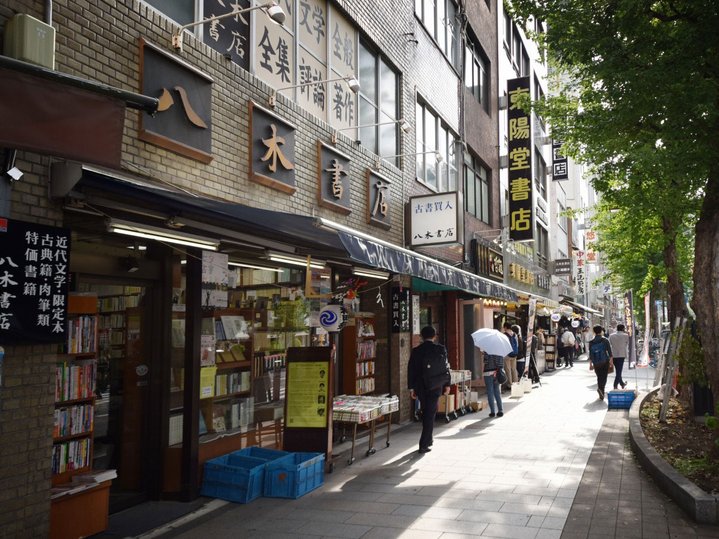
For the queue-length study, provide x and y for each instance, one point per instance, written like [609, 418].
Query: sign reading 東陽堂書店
[435, 219]
[519, 135]
[34, 274]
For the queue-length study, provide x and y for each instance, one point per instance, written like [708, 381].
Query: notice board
[308, 400]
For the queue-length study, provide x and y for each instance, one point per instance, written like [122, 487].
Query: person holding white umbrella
[494, 346]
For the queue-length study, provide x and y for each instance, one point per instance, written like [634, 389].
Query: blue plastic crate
[237, 479]
[295, 475]
[259, 453]
[621, 398]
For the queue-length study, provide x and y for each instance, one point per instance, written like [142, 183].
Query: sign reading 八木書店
[34, 273]
[434, 219]
[519, 134]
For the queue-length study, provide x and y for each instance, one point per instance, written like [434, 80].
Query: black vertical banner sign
[34, 273]
[559, 162]
[400, 309]
[519, 134]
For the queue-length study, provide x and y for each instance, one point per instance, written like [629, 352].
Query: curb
[702, 507]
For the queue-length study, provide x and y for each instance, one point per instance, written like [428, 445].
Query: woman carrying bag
[494, 377]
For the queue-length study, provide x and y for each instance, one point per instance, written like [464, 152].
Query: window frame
[380, 112]
[481, 207]
[443, 30]
[479, 67]
[445, 172]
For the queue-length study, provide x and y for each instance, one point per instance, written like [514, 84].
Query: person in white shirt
[619, 341]
[567, 348]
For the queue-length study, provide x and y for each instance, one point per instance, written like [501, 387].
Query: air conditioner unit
[30, 40]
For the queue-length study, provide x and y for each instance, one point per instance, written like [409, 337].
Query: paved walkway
[558, 464]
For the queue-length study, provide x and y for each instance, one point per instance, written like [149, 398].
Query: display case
[359, 355]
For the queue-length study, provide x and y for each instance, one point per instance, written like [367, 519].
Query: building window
[439, 17]
[476, 189]
[378, 103]
[542, 238]
[434, 137]
[539, 96]
[561, 217]
[476, 73]
[540, 175]
[180, 11]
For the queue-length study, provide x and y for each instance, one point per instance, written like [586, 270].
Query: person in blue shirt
[510, 362]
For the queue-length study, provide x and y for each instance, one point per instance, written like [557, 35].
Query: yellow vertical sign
[307, 394]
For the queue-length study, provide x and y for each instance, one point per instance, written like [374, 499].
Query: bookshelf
[359, 355]
[78, 508]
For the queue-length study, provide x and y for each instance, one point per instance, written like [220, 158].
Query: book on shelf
[235, 327]
[95, 476]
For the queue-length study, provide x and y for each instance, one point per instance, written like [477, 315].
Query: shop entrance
[121, 421]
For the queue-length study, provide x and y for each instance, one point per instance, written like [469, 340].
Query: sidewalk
[556, 465]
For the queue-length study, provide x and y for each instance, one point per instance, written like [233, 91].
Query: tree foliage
[639, 101]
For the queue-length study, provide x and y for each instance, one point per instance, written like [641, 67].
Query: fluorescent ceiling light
[252, 266]
[372, 274]
[295, 260]
[158, 234]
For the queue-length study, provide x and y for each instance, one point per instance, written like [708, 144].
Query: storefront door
[123, 386]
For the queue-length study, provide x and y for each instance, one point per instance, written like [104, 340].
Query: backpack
[598, 352]
[435, 372]
[570, 340]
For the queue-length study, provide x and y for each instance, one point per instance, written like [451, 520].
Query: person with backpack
[600, 358]
[567, 349]
[428, 378]
[510, 361]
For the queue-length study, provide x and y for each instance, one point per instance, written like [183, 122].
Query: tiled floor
[557, 465]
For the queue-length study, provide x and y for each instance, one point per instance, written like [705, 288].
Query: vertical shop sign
[519, 132]
[378, 200]
[415, 314]
[229, 36]
[560, 171]
[272, 150]
[34, 264]
[333, 179]
[435, 219]
[274, 49]
[532, 312]
[590, 237]
[400, 309]
[580, 273]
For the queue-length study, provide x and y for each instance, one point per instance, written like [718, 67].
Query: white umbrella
[494, 342]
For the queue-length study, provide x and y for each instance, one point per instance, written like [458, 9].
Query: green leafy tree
[642, 104]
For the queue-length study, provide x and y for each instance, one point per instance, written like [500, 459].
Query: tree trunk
[706, 281]
[675, 287]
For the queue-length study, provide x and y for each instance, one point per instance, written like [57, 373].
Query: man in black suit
[427, 378]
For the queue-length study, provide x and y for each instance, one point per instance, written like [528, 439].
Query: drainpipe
[48, 12]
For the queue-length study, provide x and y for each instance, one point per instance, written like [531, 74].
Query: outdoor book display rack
[354, 410]
[457, 402]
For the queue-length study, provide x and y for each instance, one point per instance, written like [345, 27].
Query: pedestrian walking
[428, 378]
[619, 341]
[533, 346]
[600, 358]
[492, 374]
[510, 361]
[567, 349]
[521, 351]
